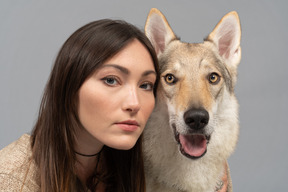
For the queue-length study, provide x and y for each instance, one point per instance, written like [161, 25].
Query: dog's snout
[196, 118]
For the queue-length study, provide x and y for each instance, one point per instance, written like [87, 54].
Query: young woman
[96, 103]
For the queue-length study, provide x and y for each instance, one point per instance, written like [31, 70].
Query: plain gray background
[31, 33]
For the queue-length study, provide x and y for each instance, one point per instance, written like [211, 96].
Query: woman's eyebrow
[146, 73]
[120, 68]
[126, 71]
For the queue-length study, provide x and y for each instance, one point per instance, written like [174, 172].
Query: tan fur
[166, 168]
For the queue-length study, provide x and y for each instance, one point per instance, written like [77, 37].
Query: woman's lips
[128, 125]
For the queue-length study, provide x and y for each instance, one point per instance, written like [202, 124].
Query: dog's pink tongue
[193, 145]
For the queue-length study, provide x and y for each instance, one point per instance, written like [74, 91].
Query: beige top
[17, 170]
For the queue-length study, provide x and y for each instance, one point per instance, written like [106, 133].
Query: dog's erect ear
[158, 30]
[226, 36]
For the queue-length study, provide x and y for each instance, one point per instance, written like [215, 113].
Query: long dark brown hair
[52, 138]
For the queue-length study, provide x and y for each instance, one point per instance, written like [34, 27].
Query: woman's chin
[124, 145]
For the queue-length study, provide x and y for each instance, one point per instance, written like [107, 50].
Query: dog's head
[197, 82]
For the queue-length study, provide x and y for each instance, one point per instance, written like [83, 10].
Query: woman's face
[117, 100]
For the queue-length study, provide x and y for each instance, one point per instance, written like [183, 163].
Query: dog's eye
[170, 79]
[214, 78]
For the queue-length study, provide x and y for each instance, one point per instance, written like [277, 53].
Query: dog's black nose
[196, 118]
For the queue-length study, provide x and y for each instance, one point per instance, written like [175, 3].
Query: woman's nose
[131, 101]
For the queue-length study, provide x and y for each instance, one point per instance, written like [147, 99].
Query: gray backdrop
[31, 33]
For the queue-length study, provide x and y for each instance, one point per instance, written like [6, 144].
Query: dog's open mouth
[192, 145]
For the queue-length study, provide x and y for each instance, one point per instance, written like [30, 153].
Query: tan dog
[194, 127]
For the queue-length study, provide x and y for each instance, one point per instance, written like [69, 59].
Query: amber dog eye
[214, 78]
[170, 79]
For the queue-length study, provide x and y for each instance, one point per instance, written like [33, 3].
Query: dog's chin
[192, 145]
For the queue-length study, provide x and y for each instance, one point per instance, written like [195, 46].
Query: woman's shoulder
[17, 169]
[14, 154]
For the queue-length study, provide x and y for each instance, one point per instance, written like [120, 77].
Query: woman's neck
[87, 150]
[85, 167]
[86, 144]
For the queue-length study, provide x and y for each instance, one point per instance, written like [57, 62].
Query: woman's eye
[147, 86]
[112, 81]
[214, 78]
